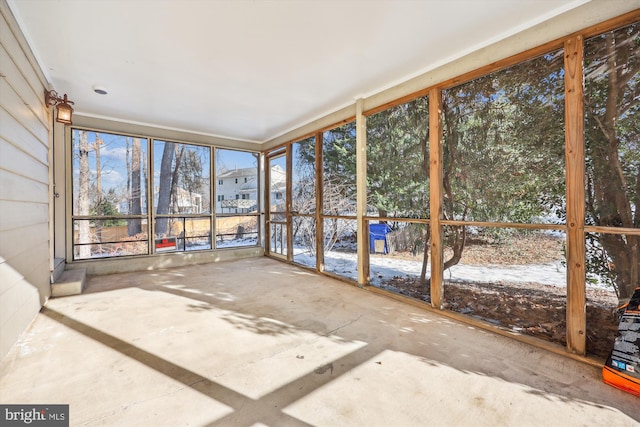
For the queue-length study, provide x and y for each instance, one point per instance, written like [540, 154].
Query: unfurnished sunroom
[504, 171]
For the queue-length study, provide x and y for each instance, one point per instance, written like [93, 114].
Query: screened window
[612, 168]
[115, 181]
[110, 198]
[504, 145]
[182, 192]
[303, 164]
[182, 180]
[398, 160]
[303, 201]
[504, 151]
[339, 201]
[398, 187]
[237, 206]
[339, 170]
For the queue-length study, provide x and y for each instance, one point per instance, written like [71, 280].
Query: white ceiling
[249, 69]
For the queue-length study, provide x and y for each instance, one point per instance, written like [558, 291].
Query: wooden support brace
[574, 156]
[435, 196]
[361, 198]
[319, 205]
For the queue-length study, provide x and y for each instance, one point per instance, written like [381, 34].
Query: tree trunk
[164, 189]
[459, 237]
[424, 282]
[84, 230]
[175, 199]
[459, 241]
[98, 191]
[135, 225]
[610, 188]
[426, 169]
[145, 185]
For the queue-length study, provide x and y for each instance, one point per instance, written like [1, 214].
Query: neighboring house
[237, 189]
[185, 201]
[278, 187]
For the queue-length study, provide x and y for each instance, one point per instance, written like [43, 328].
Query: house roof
[252, 70]
[276, 172]
[236, 173]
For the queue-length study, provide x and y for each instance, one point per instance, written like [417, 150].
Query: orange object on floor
[622, 369]
[620, 380]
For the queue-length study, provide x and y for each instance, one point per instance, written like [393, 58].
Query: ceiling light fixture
[100, 90]
[62, 104]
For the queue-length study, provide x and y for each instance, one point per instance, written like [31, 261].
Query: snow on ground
[385, 267]
[236, 242]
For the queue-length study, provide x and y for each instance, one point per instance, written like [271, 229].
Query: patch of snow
[385, 267]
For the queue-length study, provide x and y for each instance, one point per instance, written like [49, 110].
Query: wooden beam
[609, 25]
[611, 230]
[574, 159]
[435, 196]
[212, 197]
[267, 206]
[402, 100]
[319, 204]
[289, 201]
[398, 218]
[361, 198]
[520, 225]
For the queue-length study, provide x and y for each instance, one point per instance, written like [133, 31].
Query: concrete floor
[260, 343]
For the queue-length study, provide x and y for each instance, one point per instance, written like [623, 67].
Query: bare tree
[84, 229]
[175, 178]
[164, 188]
[135, 225]
[98, 200]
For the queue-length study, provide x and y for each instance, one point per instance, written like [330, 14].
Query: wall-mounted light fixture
[63, 109]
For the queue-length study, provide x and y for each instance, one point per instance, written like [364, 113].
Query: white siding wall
[24, 185]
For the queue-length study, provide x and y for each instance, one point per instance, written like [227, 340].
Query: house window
[236, 180]
[221, 197]
[245, 179]
[237, 196]
[220, 182]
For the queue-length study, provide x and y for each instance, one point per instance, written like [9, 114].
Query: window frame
[150, 215]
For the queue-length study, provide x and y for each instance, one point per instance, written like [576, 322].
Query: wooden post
[212, 197]
[574, 149]
[267, 206]
[319, 204]
[361, 198]
[288, 201]
[435, 196]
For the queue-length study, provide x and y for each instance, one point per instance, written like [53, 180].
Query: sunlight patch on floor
[434, 394]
